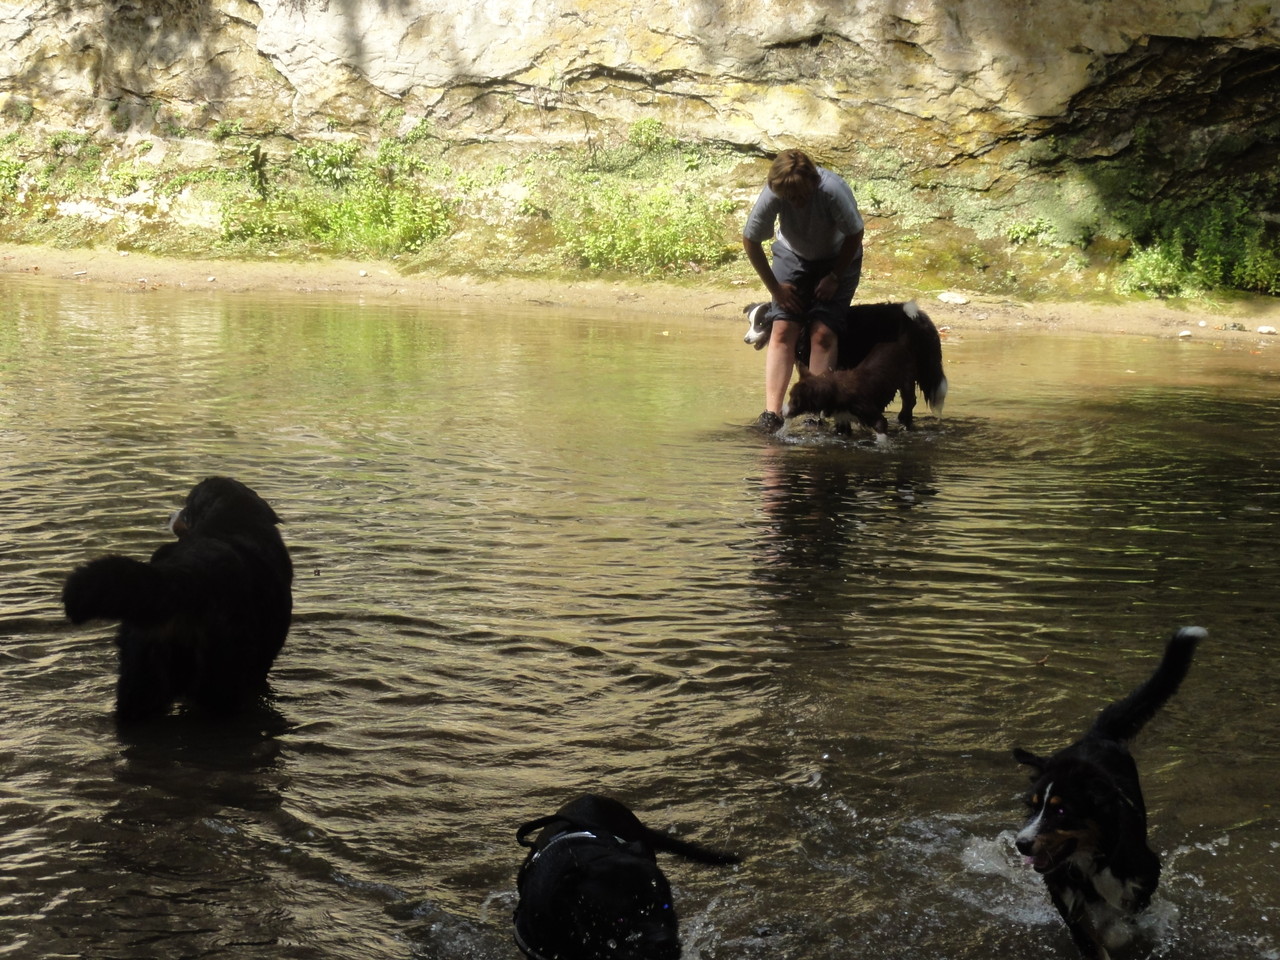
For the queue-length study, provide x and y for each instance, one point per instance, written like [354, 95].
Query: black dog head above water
[1085, 807]
[221, 505]
[862, 393]
[591, 889]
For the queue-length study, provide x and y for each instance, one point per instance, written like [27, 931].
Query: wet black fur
[866, 324]
[886, 368]
[205, 617]
[1087, 833]
[590, 887]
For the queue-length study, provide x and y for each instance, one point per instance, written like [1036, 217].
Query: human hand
[788, 298]
[827, 287]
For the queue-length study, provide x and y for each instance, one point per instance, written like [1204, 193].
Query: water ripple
[521, 575]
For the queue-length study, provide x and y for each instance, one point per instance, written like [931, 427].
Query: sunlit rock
[984, 97]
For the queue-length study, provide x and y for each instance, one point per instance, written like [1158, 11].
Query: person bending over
[817, 231]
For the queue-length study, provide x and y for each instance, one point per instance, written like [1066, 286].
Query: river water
[539, 553]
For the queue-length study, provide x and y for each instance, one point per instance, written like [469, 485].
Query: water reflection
[832, 512]
[538, 553]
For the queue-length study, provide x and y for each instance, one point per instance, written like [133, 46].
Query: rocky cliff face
[991, 102]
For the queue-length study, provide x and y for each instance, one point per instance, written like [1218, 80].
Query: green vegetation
[1209, 247]
[643, 230]
[629, 211]
[335, 198]
[642, 203]
[10, 176]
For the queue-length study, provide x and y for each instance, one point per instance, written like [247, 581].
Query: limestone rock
[981, 93]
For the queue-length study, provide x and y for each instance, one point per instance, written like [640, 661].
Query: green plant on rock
[396, 160]
[422, 130]
[255, 221]
[1039, 230]
[1258, 267]
[333, 164]
[251, 162]
[1159, 268]
[649, 135]
[336, 197]
[123, 180]
[10, 176]
[645, 231]
[121, 119]
[1221, 244]
[372, 220]
[225, 129]
[74, 164]
[68, 143]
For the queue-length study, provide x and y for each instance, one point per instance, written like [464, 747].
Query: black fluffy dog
[867, 324]
[1087, 834]
[204, 619]
[590, 887]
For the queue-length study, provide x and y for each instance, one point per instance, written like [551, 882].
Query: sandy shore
[1237, 322]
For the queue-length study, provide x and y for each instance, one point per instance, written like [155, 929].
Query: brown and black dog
[893, 366]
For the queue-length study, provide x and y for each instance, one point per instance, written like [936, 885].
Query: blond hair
[793, 175]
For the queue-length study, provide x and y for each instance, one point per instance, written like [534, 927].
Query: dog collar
[559, 837]
[527, 950]
[576, 835]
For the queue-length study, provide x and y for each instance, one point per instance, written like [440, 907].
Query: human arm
[783, 294]
[850, 250]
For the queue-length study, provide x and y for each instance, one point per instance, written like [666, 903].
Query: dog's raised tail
[1123, 719]
[927, 346]
[117, 588]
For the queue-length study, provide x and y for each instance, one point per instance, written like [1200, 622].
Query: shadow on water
[532, 560]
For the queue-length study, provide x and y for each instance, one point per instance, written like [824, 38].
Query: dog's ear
[1029, 758]
[803, 369]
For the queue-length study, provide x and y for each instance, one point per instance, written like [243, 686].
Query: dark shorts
[804, 275]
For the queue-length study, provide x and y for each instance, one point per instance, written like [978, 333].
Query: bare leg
[779, 362]
[823, 348]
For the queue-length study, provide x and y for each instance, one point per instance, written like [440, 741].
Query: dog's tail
[117, 588]
[927, 347]
[690, 850]
[1123, 719]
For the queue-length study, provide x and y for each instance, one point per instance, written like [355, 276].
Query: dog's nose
[1026, 844]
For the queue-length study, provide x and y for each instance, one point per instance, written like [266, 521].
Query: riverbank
[1237, 321]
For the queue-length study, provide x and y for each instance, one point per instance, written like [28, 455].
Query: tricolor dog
[1087, 830]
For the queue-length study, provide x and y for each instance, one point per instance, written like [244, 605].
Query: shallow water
[538, 553]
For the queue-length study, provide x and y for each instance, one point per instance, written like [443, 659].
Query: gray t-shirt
[814, 231]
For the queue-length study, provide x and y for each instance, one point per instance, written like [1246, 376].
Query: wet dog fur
[1087, 829]
[205, 617]
[866, 325]
[590, 887]
[889, 367]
